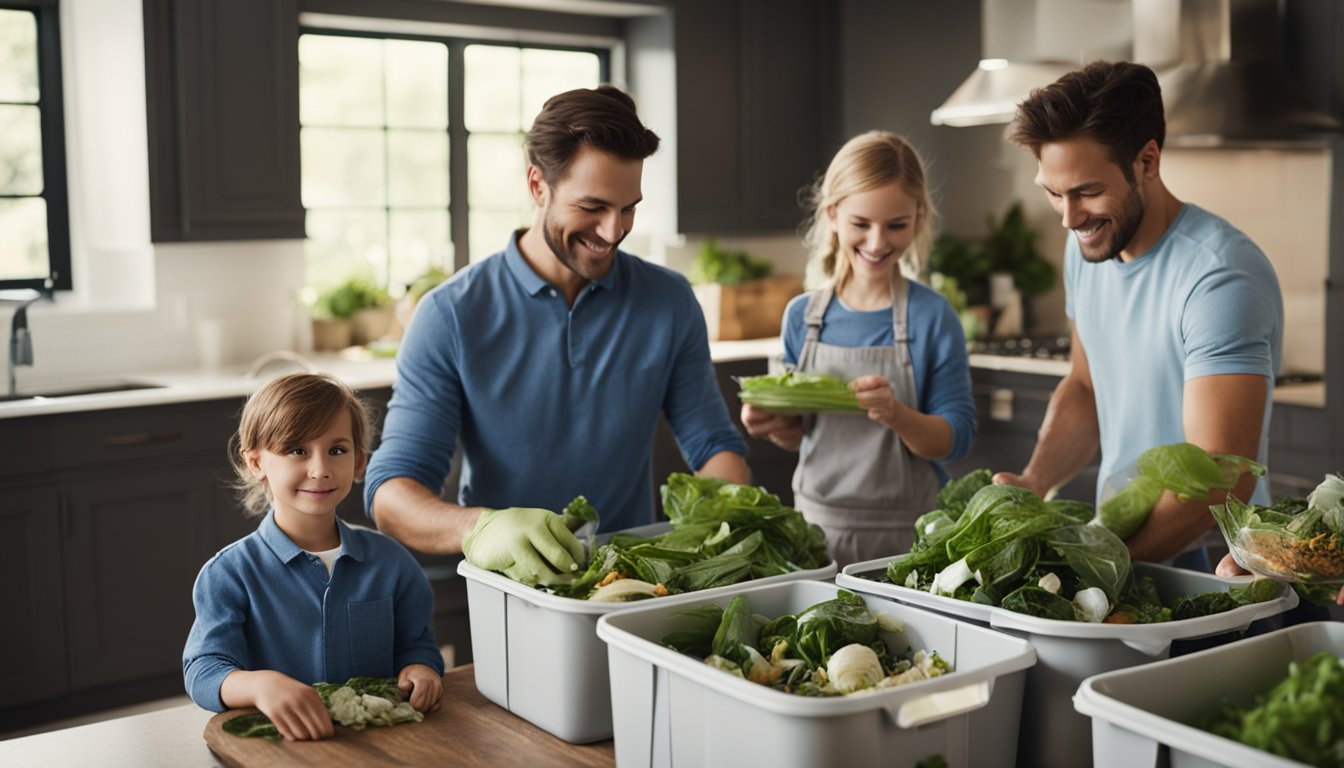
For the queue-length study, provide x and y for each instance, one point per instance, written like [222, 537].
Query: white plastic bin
[1135, 711]
[1053, 734]
[538, 656]
[675, 711]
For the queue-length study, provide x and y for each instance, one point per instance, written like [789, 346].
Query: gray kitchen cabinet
[132, 550]
[222, 95]
[756, 110]
[32, 645]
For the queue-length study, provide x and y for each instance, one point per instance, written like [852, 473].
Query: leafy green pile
[722, 533]
[794, 392]
[357, 703]
[1301, 718]
[829, 649]
[1295, 540]
[1001, 545]
[1184, 469]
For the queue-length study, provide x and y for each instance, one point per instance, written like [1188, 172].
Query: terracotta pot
[330, 335]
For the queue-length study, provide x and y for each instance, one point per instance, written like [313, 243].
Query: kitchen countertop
[174, 738]
[362, 371]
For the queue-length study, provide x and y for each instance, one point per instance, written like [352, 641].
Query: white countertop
[362, 371]
[171, 738]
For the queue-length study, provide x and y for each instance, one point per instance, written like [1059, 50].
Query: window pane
[491, 88]
[498, 171]
[417, 168]
[417, 84]
[546, 73]
[342, 244]
[20, 150]
[18, 56]
[340, 80]
[419, 240]
[23, 249]
[342, 167]
[490, 229]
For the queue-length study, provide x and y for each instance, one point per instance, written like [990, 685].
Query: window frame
[51, 107]
[459, 170]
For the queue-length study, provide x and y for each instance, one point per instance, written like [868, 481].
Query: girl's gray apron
[855, 478]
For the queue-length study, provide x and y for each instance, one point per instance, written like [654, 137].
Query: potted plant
[739, 296]
[355, 311]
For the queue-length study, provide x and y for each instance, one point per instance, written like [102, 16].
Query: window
[34, 229]
[412, 148]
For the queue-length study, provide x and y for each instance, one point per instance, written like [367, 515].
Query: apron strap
[817, 303]
[900, 333]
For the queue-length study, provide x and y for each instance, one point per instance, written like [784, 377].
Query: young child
[897, 342]
[306, 598]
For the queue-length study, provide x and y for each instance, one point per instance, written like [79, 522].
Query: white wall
[136, 305]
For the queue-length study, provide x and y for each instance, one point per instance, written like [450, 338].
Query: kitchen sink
[90, 389]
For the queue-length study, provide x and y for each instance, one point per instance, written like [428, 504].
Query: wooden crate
[751, 309]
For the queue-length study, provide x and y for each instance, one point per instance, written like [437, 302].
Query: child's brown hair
[288, 411]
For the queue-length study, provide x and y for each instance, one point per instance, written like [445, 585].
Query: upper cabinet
[223, 97]
[756, 110]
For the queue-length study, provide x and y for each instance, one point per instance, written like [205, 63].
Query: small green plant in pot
[356, 311]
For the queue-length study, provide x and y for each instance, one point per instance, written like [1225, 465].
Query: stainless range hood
[1222, 78]
[1217, 61]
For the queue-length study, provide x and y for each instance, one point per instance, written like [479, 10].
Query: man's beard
[554, 239]
[1122, 227]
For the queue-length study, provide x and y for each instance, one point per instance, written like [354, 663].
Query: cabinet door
[756, 110]
[223, 98]
[133, 546]
[32, 644]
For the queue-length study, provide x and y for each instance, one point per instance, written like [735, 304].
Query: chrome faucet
[20, 340]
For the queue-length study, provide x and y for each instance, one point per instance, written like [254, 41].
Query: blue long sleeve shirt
[551, 401]
[262, 603]
[937, 353]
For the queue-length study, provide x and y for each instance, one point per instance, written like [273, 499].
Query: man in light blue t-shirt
[1177, 315]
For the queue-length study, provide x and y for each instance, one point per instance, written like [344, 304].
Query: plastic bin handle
[1155, 646]
[941, 705]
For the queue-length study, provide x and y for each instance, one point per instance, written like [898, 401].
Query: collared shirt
[262, 603]
[937, 354]
[551, 401]
[1203, 301]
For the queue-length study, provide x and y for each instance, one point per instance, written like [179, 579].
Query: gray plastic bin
[537, 654]
[1053, 734]
[1135, 711]
[675, 711]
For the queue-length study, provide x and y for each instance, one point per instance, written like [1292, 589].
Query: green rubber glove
[529, 545]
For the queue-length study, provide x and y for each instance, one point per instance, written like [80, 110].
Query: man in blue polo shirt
[550, 362]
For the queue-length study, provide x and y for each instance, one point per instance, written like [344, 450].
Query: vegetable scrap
[722, 533]
[1294, 540]
[1300, 718]
[357, 703]
[1184, 469]
[832, 648]
[1001, 545]
[794, 393]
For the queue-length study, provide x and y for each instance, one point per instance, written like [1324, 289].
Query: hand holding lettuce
[532, 546]
[1184, 469]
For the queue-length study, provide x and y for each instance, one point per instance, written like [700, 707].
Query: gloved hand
[529, 545]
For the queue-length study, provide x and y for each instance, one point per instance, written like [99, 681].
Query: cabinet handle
[142, 438]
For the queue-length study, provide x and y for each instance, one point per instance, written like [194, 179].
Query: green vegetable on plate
[795, 393]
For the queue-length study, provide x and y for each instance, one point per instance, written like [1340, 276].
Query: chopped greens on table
[357, 703]
[1001, 545]
[1300, 718]
[830, 649]
[1184, 469]
[1295, 540]
[794, 392]
[722, 533]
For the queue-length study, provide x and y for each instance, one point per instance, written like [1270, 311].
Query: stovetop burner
[1041, 347]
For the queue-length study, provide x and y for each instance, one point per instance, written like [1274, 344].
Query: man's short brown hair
[1118, 104]
[603, 118]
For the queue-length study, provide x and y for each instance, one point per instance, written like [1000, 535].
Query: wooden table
[467, 730]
